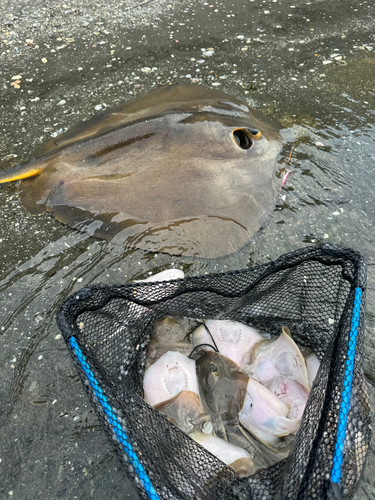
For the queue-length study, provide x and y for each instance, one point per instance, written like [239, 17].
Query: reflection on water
[50, 444]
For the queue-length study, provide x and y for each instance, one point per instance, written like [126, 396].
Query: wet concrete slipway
[309, 64]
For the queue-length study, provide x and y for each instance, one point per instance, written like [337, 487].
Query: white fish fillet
[233, 339]
[168, 376]
[280, 357]
[291, 393]
[265, 416]
[226, 452]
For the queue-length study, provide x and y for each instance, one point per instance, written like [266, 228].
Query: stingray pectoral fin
[286, 426]
[23, 171]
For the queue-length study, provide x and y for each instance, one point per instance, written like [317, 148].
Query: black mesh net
[317, 292]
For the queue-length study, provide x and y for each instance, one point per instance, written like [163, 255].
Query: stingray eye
[243, 138]
[213, 368]
[255, 133]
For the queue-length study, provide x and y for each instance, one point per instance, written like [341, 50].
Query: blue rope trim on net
[346, 393]
[115, 423]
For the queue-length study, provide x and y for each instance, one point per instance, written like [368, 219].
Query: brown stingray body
[181, 170]
[222, 386]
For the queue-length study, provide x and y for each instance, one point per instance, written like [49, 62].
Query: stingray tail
[22, 171]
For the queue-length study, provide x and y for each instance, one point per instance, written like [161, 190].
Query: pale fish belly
[265, 416]
[168, 376]
[234, 340]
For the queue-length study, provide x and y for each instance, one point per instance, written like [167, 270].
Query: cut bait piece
[187, 411]
[168, 376]
[291, 393]
[234, 340]
[265, 416]
[280, 357]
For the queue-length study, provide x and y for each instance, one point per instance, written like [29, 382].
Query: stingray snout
[172, 366]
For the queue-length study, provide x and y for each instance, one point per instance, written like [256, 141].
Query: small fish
[168, 376]
[222, 386]
[187, 411]
[280, 357]
[226, 452]
[264, 415]
[292, 393]
[312, 364]
[232, 339]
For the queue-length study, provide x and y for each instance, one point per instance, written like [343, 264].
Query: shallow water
[50, 443]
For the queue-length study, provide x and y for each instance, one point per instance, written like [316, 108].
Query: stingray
[187, 411]
[224, 390]
[170, 334]
[222, 386]
[234, 456]
[232, 339]
[275, 358]
[182, 170]
[265, 415]
[291, 393]
[168, 376]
